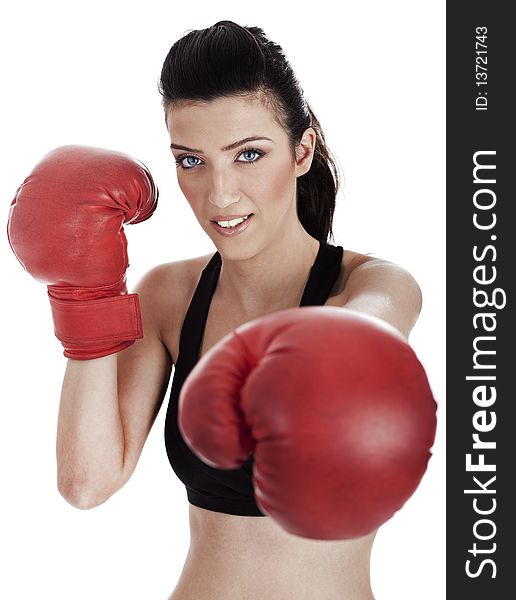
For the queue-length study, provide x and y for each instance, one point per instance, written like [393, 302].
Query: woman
[253, 165]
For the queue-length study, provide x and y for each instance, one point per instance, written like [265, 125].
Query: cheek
[190, 191]
[277, 184]
[186, 187]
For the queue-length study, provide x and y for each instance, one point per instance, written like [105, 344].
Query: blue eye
[246, 152]
[187, 157]
[250, 151]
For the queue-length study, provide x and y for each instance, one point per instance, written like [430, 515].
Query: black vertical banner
[481, 253]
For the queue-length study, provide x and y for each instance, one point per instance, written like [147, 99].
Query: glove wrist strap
[95, 328]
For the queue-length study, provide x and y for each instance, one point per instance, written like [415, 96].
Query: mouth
[231, 225]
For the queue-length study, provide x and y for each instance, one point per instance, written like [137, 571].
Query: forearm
[90, 436]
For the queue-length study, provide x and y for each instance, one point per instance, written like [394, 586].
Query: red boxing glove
[335, 405]
[66, 228]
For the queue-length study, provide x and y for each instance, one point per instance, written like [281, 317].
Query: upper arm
[385, 290]
[143, 369]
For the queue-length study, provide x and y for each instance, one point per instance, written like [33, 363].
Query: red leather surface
[336, 407]
[66, 228]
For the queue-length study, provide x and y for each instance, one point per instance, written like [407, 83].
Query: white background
[87, 73]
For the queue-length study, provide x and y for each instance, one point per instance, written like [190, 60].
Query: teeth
[233, 222]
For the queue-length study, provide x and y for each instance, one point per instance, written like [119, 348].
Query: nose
[223, 190]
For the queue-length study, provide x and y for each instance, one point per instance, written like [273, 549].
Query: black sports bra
[220, 490]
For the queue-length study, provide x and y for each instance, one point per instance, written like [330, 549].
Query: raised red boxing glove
[66, 228]
[336, 407]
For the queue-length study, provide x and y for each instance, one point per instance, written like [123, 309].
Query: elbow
[87, 489]
[81, 496]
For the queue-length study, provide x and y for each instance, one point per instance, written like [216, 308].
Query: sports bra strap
[192, 330]
[323, 275]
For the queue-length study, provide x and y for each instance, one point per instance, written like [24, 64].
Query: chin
[236, 249]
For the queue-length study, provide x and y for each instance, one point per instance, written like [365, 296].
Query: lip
[229, 217]
[232, 231]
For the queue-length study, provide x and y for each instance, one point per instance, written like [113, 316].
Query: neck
[274, 277]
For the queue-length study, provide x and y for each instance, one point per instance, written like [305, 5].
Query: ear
[305, 151]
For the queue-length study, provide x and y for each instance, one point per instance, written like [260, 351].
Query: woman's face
[234, 162]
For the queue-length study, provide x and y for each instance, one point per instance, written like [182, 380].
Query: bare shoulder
[170, 280]
[350, 261]
[381, 288]
[166, 291]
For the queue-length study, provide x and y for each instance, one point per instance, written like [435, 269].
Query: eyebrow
[232, 146]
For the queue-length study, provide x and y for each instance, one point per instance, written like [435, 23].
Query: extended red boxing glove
[336, 407]
[66, 228]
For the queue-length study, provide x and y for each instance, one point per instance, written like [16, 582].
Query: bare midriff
[253, 558]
